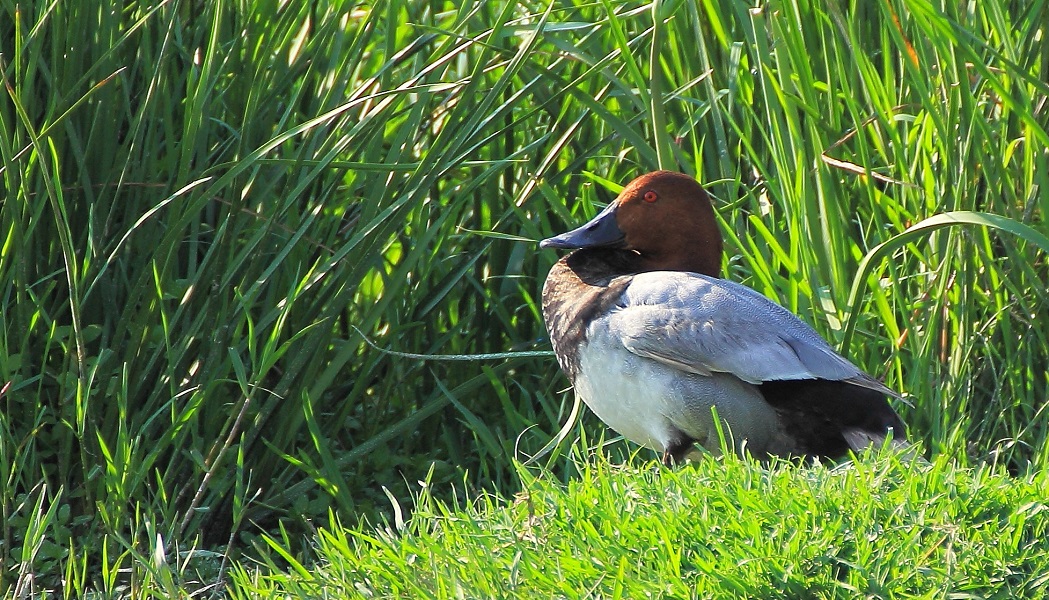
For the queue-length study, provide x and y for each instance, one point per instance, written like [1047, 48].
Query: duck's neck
[601, 264]
[597, 266]
[681, 262]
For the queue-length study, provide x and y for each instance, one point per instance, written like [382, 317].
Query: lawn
[883, 526]
[268, 265]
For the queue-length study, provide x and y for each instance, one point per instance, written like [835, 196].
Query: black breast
[581, 286]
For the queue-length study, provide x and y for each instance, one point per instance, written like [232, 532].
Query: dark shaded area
[822, 414]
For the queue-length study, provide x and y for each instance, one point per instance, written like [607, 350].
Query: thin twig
[454, 357]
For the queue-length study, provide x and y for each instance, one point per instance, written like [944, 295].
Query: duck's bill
[602, 231]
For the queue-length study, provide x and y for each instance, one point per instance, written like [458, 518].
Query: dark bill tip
[601, 231]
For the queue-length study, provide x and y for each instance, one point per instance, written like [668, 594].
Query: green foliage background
[206, 203]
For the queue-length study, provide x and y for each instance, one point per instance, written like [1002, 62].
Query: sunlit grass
[724, 528]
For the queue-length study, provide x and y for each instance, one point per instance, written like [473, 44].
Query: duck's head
[665, 217]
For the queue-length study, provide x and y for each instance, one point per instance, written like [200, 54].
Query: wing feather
[702, 325]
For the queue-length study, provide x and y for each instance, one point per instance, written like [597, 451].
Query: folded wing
[703, 325]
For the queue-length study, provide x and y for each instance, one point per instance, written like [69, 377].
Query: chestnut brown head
[665, 217]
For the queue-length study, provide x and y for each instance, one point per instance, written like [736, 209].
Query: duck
[661, 348]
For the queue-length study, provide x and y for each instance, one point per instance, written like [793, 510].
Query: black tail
[828, 418]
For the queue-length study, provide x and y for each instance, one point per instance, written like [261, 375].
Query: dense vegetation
[880, 528]
[207, 206]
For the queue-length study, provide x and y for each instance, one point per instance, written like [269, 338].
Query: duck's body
[653, 350]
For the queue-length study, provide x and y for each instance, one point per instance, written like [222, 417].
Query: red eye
[651, 196]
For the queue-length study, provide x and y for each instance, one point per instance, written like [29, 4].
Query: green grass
[203, 204]
[722, 528]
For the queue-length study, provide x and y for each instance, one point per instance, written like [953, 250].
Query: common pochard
[652, 339]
